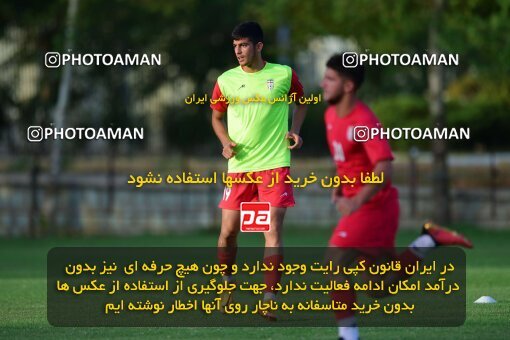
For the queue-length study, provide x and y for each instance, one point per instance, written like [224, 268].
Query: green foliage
[488, 122]
[403, 111]
[486, 119]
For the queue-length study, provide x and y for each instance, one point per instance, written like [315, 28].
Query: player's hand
[336, 194]
[347, 206]
[297, 140]
[228, 150]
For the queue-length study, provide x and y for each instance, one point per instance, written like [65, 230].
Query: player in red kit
[370, 212]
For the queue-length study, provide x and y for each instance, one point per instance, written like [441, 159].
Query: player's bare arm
[349, 205]
[336, 194]
[220, 130]
[298, 118]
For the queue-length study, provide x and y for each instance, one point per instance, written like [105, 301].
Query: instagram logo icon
[52, 60]
[361, 133]
[35, 133]
[350, 59]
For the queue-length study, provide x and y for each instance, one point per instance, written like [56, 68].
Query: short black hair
[355, 74]
[250, 30]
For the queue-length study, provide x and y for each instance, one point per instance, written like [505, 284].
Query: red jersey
[353, 158]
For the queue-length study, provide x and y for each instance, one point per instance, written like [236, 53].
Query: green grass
[23, 290]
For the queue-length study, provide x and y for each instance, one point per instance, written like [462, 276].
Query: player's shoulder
[273, 67]
[362, 112]
[231, 73]
[277, 66]
[329, 113]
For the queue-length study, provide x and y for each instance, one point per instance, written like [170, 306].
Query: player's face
[333, 86]
[246, 51]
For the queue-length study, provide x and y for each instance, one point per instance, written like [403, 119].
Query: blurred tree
[58, 116]
[27, 30]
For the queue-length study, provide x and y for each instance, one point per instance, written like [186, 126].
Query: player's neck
[257, 65]
[345, 106]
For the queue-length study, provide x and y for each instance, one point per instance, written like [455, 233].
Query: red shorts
[373, 225]
[279, 195]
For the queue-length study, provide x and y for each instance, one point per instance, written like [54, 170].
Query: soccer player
[370, 212]
[257, 142]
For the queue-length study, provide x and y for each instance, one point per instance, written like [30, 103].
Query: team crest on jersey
[270, 84]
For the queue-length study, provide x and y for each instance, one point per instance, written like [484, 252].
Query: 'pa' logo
[255, 216]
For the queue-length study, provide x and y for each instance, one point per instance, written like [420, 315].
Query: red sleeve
[220, 106]
[377, 149]
[295, 86]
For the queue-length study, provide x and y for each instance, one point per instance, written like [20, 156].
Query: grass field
[23, 290]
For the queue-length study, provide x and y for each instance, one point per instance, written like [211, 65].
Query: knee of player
[273, 242]
[228, 234]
